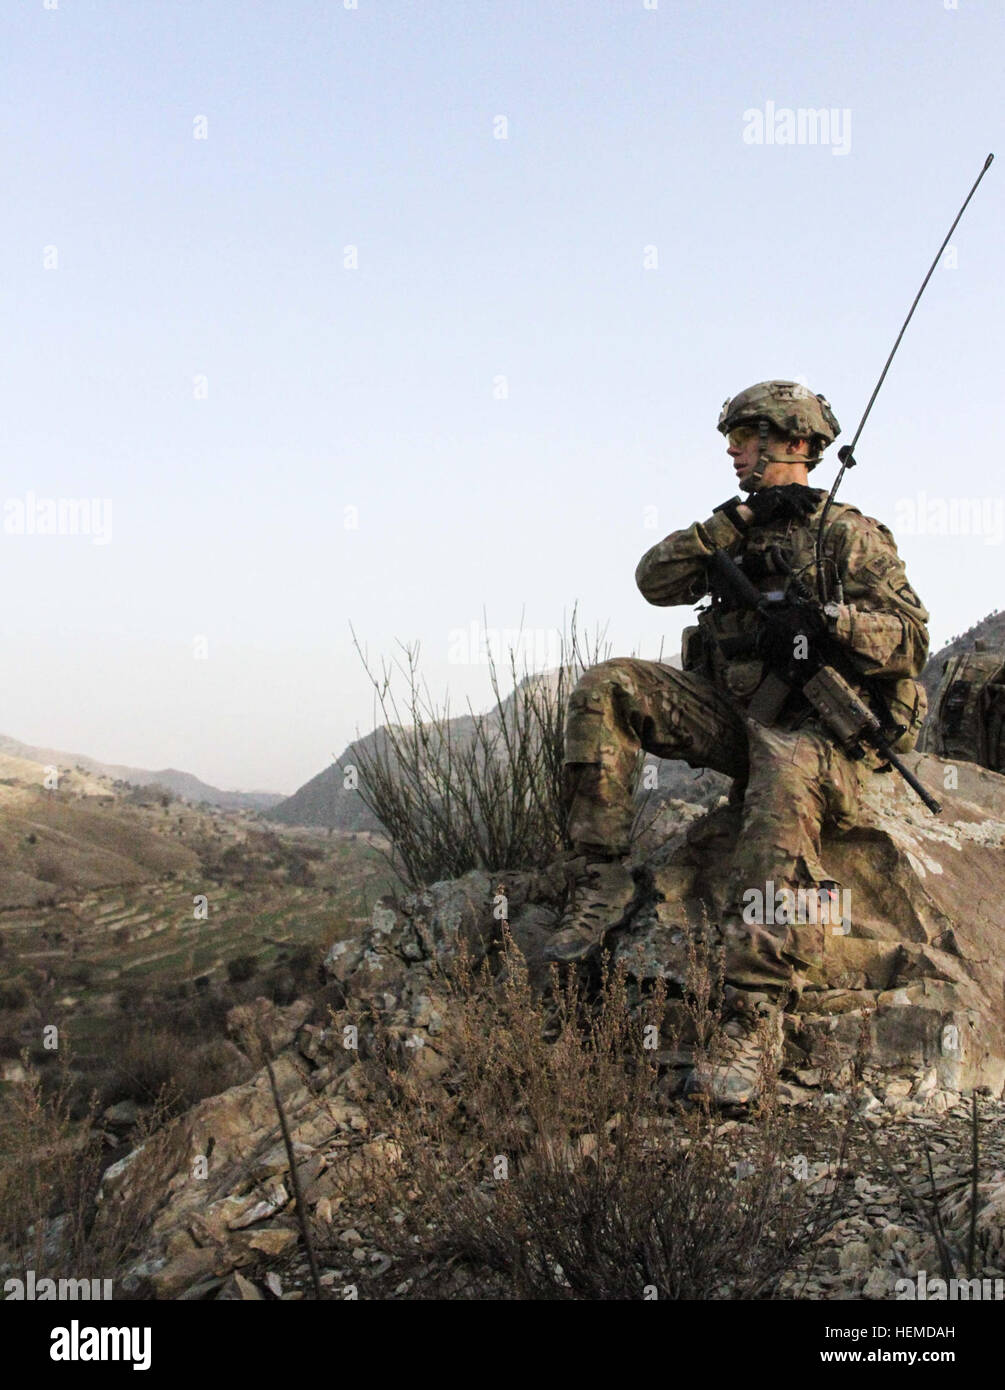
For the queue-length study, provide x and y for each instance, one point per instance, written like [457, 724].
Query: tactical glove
[791, 502]
[731, 508]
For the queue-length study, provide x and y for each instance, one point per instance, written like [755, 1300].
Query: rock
[184, 1271]
[910, 977]
[123, 1115]
[239, 1289]
[900, 1086]
[913, 987]
[275, 1160]
[216, 1220]
[794, 1095]
[275, 1240]
[656, 947]
[854, 963]
[836, 1001]
[532, 926]
[197, 1292]
[326, 1187]
[271, 1198]
[325, 1047]
[880, 1284]
[262, 1019]
[428, 926]
[854, 1256]
[926, 1082]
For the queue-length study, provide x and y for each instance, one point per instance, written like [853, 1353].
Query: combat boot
[602, 896]
[752, 1035]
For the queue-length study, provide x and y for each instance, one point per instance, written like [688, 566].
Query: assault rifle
[842, 711]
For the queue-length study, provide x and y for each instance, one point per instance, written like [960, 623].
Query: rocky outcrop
[914, 978]
[916, 969]
[918, 963]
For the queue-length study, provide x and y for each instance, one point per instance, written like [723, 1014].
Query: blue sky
[509, 405]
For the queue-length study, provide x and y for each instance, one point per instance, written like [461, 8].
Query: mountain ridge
[185, 785]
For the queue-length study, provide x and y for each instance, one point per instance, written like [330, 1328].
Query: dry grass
[548, 1161]
[51, 1164]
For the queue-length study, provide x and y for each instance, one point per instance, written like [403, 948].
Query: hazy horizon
[397, 315]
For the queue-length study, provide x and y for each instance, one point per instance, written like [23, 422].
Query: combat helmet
[791, 408]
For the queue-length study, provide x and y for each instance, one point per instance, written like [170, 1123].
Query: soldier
[791, 775]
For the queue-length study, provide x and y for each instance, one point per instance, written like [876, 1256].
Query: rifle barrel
[891, 757]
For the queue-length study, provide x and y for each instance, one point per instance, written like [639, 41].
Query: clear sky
[513, 392]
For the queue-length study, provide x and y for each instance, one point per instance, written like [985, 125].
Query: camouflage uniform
[792, 774]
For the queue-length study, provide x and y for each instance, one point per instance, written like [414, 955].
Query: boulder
[265, 1021]
[919, 959]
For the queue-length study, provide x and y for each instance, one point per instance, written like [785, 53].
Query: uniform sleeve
[676, 569]
[882, 621]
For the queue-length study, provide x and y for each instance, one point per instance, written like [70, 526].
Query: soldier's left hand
[790, 502]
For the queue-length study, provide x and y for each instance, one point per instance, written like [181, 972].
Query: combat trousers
[792, 782]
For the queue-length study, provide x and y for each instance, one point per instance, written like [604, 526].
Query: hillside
[128, 916]
[325, 801]
[181, 784]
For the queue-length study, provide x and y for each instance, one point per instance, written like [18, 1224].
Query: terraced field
[96, 964]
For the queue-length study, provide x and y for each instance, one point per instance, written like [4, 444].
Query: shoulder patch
[880, 565]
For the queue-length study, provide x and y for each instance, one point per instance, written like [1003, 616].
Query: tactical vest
[776, 558]
[765, 557]
[968, 713]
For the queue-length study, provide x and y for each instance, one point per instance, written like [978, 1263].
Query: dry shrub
[160, 1066]
[213, 1067]
[51, 1166]
[547, 1162]
[484, 791]
[241, 969]
[146, 1064]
